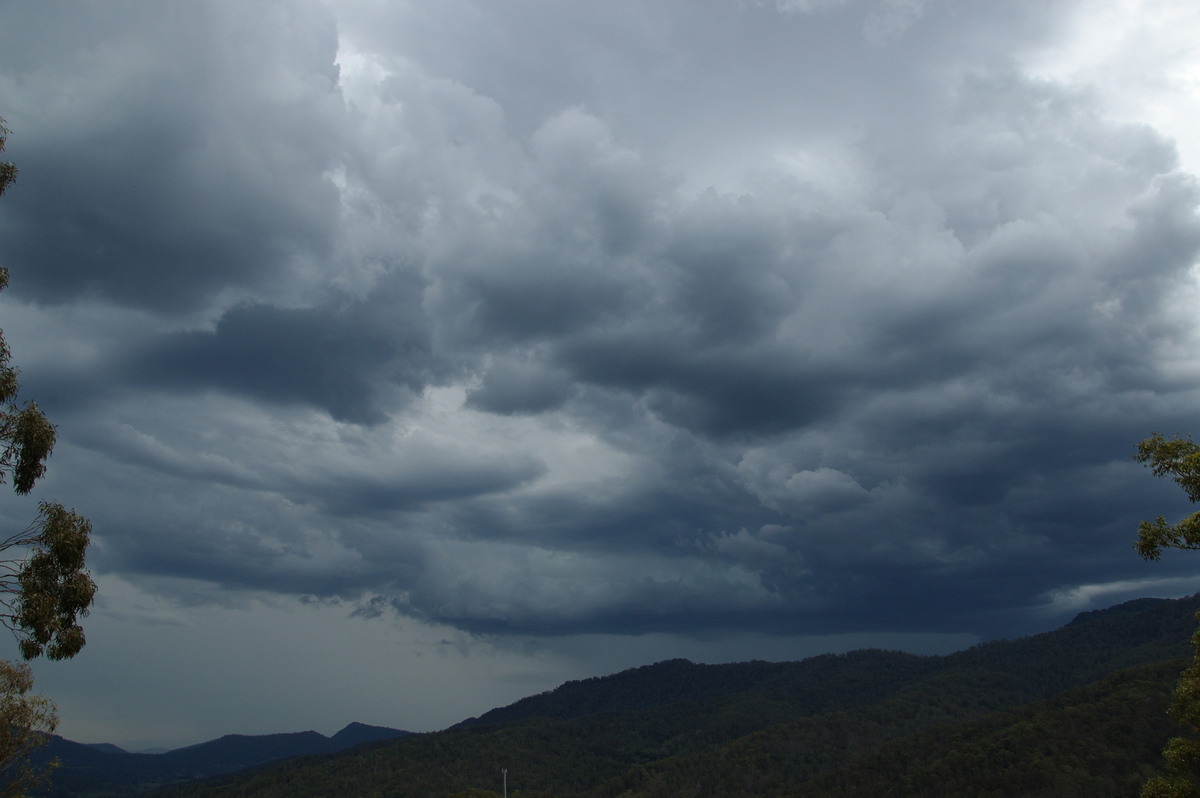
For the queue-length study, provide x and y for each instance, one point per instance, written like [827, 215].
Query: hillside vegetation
[1077, 711]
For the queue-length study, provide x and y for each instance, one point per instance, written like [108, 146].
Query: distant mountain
[359, 733]
[1092, 645]
[107, 770]
[109, 748]
[1079, 711]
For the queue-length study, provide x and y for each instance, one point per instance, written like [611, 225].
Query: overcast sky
[413, 357]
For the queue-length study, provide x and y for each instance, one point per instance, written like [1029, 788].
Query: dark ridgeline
[109, 770]
[1078, 711]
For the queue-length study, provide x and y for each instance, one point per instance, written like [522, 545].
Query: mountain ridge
[1127, 621]
[105, 767]
[677, 727]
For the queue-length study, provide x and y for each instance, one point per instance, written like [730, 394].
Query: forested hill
[95, 770]
[1077, 711]
[1093, 644]
[814, 685]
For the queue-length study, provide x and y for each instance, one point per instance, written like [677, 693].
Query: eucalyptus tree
[1178, 458]
[45, 587]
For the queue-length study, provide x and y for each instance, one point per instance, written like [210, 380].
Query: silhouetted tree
[44, 585]
[1178, 458]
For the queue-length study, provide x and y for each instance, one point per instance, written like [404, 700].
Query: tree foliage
[44, 584]
[45, 593]
[1178, 458]
[8, 172]
[24, 722]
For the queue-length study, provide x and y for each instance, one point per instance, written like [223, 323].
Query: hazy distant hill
[1077, 711]
[98, 770]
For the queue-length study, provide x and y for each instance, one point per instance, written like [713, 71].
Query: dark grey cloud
[347, 357]
[974, 365]
[279, 355]
[170, 153]
[436, 479]
[515, 387]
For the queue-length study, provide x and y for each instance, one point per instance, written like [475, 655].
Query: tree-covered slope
[821, 726]
[1098, 740]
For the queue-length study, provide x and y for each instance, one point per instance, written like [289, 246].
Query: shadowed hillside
[1080, 710]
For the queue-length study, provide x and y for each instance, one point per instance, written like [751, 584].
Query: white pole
[504, 772]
